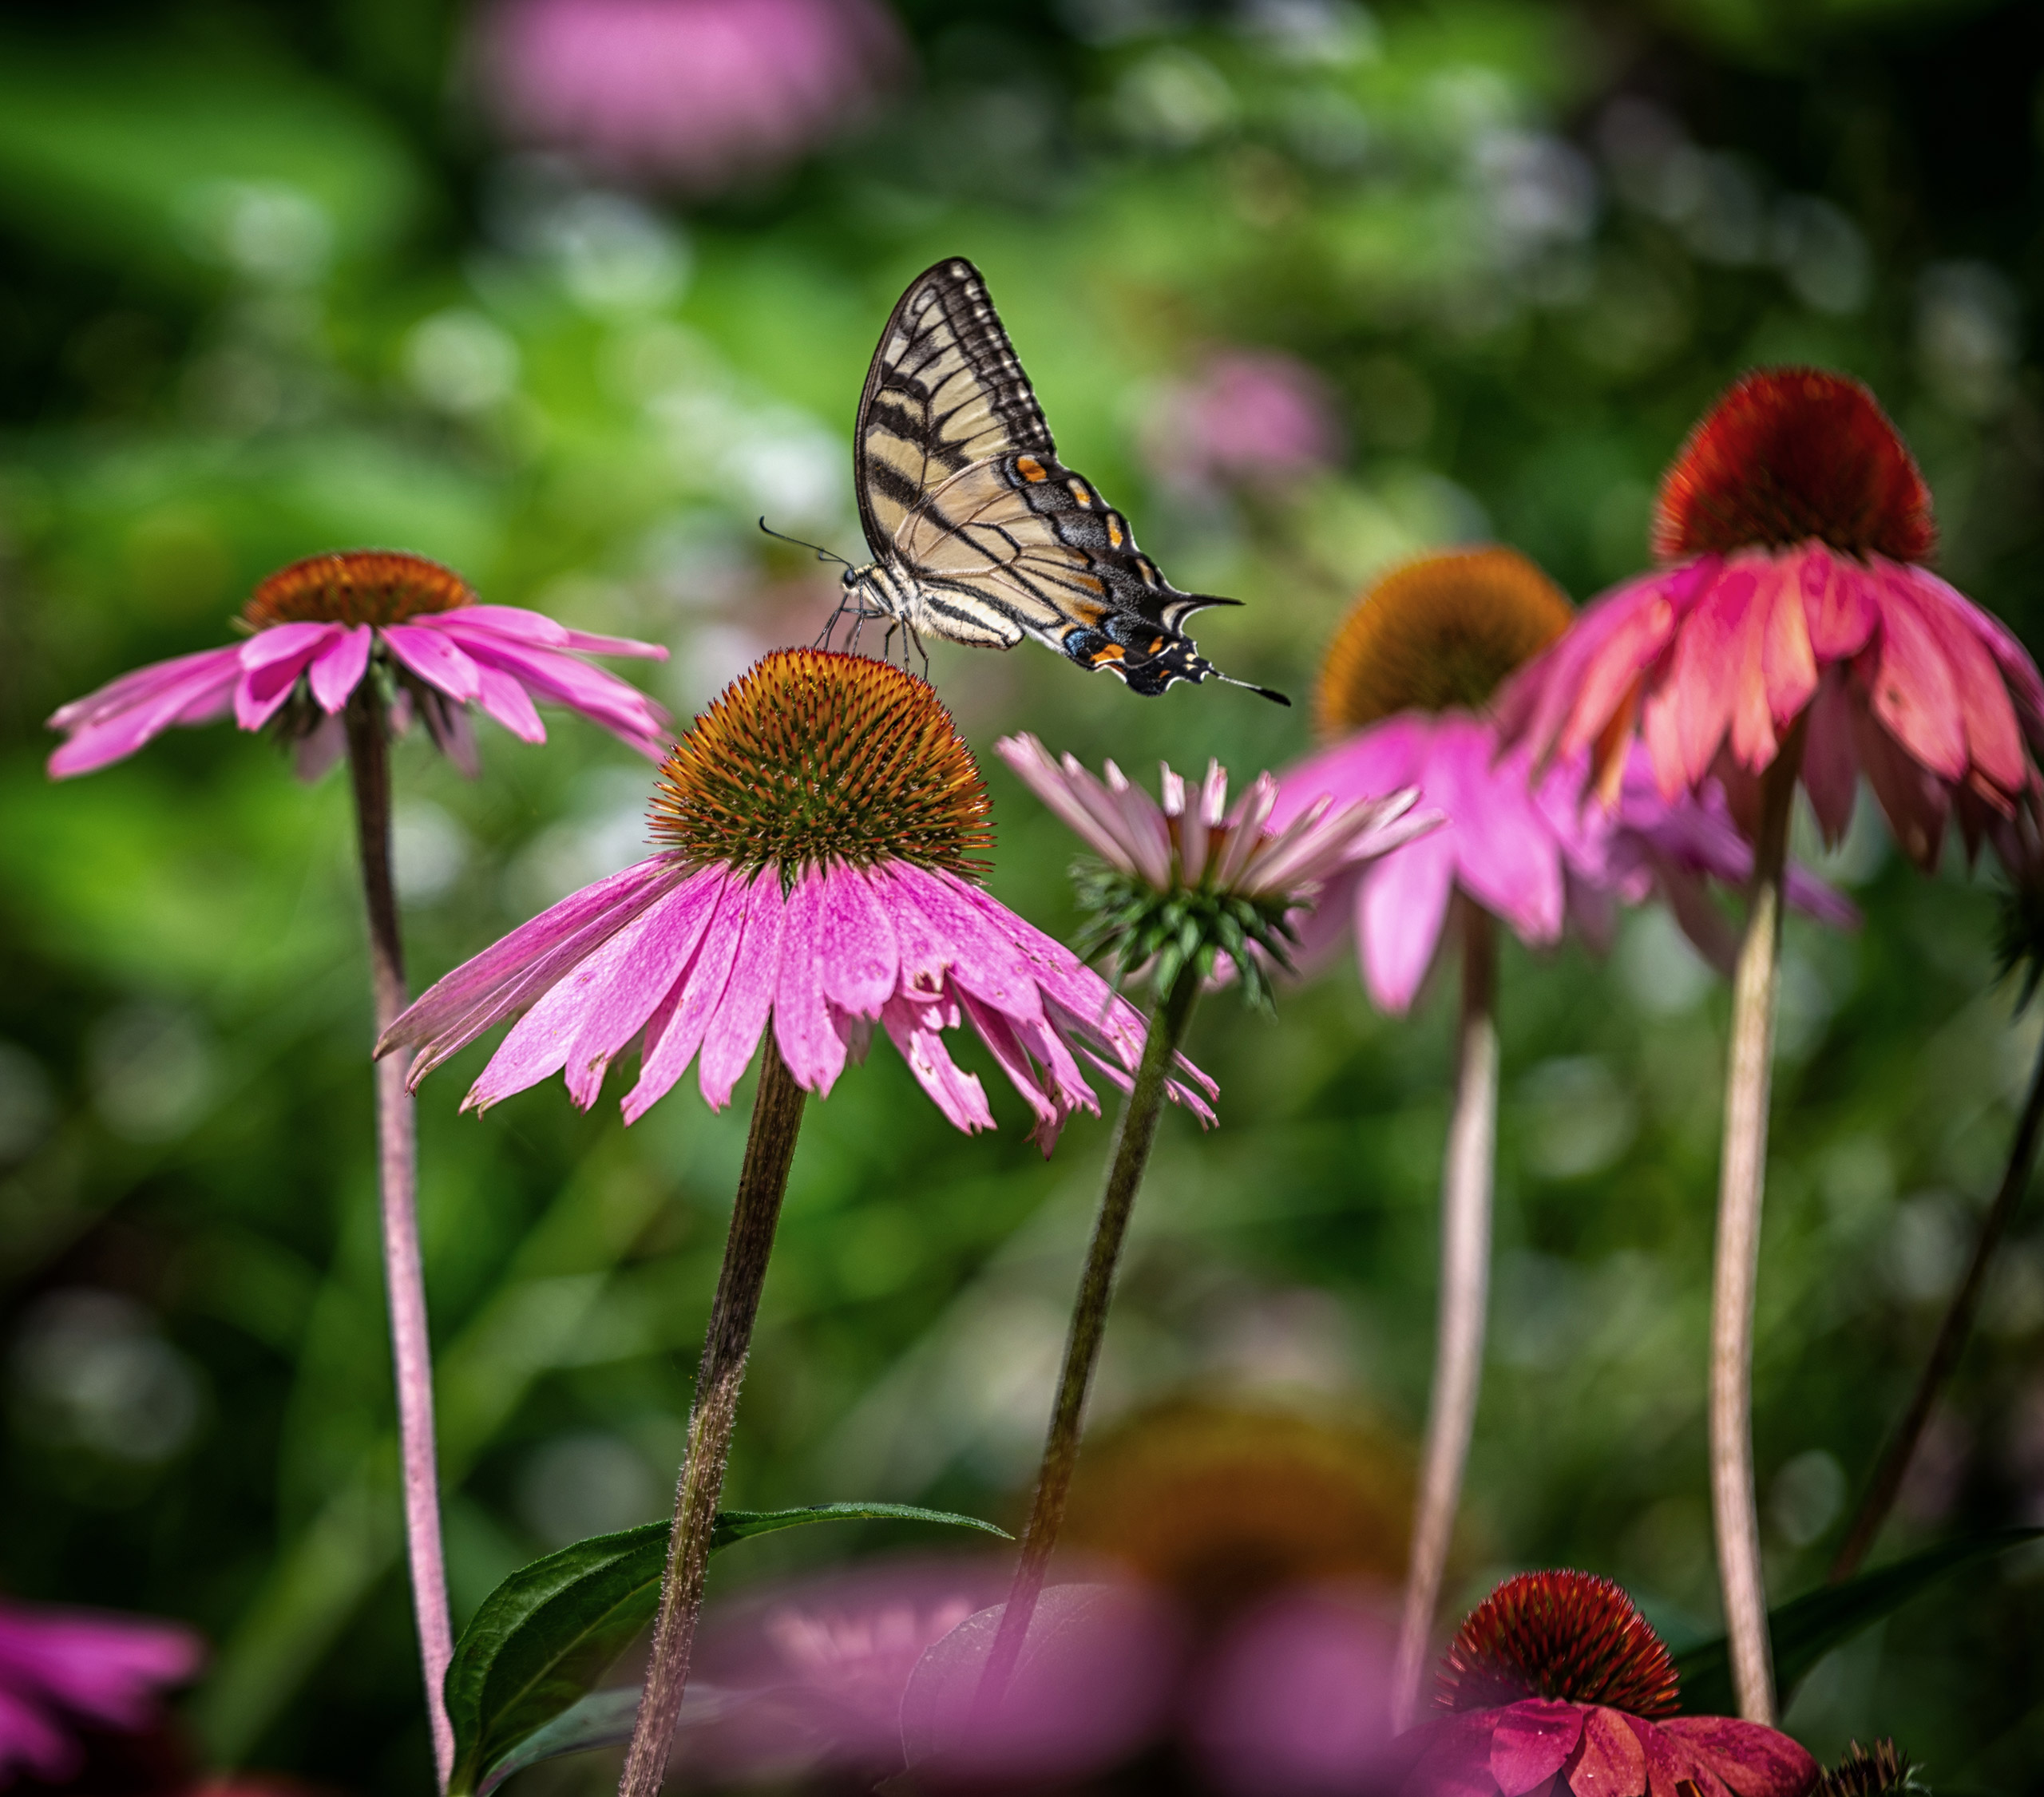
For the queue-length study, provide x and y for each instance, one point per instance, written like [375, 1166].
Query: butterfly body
[980, 535]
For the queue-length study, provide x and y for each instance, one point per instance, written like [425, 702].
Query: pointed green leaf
[543, 1638]
[1806, 1630]
[602, 1719]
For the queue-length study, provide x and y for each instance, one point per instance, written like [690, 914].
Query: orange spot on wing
[1113, 531]
[1107, 651]
[1030, 468]
[1081, 491]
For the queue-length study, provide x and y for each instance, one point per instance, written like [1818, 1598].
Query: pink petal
[1399, 912]
[676, 1029]
[1593, 672]
[432, 656]
[1013, 1059]
[270, 664]
[30, 1739]
[1531, 1741]
[1449, 1756]
[1373, 762]
[1753, 1761]
[983, 961]
[1915, 695]
[539, 1042]
[734, 1030]
[1505, 852]
[113, 722]
[1831, 770]
[1838, 603]
[656, 958]
[522, 626]
[1789, 665]
[1994, 739]
[501, 696]
[926, 958]
[1072, 794]
[1689, 710]
[861, 963]
[1669, 1764]
[809, 1040]
[338, 669]
[959, 1095]
[599, 696]
[1611, 1762]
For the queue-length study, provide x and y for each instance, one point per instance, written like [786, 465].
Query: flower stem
[1742, 1184]
[1952, 1334]
[770, 1147]
[1134, 1135]
[411, 1346]
[1465, 1275]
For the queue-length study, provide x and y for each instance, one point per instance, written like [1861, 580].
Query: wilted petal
[918, 1035]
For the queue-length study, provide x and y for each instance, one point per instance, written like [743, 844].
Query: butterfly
[980, 535]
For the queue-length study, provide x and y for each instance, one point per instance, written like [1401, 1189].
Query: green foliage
[543, 1638]
[1135, 929]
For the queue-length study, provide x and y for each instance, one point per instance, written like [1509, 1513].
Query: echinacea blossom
[321, 627]
[818, 828]
[1247, 418]
[1792, 636]
[1556, 1683]
[1882, 1770]
[62, 1668]
[1405, 698]
[696, 94]
[1185, 889]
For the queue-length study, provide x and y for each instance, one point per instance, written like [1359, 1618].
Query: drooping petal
[1381, 759]
[809, 1042]
[598, 695]
[1399, 911]
[113, 722]
[1915, 697]
[1670, 1765]
[983, 961]
[522, 626]
[1531, 1741]
[734, 1028]
[1069, 791]
[1839, 609]
[676, 1029]
[1505, 852]
[861, 962]
[1753, 1761]
[338, 669]
[1610, 1762]
[1449, 1756]
[270, 663]
[1994, 737]
[1012, 1059]
[1831, 768]
[918, 1033]
[1687, 711]
[1143, 832]
[509, 704]
[434, 656]
[1915, 803]
[1789, 665]
[656, 958]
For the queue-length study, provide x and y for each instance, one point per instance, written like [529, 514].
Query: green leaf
[544, 1636]
[602, 1719]
[1806, 1630]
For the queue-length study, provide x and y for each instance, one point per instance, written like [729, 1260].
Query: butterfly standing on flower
[980, 535]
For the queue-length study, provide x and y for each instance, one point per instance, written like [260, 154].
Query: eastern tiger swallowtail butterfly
[978, 533]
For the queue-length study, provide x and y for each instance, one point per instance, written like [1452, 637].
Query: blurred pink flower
[1796, 524]
[1556, 1683]
[694, 93]
[1248, 417]
[318, 628]
[692, 949]
[61, 1667]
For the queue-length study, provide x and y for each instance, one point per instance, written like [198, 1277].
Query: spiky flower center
[360, 586]
[1560, 1634]
[1441, 632]
[1865, 1772]
[812, 757]
[1789, 454]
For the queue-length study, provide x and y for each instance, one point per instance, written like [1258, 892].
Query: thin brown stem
[1952, 1334]
[1134, 1135]
[1465, 1277]
[411, 1346]
[770, 1148]
[1742, 1184]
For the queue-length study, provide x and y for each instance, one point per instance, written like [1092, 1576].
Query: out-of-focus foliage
[269, 285]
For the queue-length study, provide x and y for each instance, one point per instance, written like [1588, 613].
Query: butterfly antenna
[822, 554]
[1269, 692]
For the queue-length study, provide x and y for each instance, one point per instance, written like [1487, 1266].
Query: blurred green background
[280, 278]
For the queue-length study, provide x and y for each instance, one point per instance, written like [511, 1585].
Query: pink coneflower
[694, 93]
[318, 629]
[1248, 417]
[1793, 635]
[1405, 693]
[1184, 889]
[819, 826]
[62, 1668]
[1555, 1682]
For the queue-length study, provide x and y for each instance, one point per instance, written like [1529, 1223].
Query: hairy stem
[1134, 1135]
[1952, 1334]
[411, 1346]
[770, 1148]
[1465, 1278]
[1742, 1183]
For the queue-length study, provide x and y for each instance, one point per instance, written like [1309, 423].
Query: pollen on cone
[1789, 455]
[1560, 1634]
[361, 587]
[1441, 632]
[813, 757]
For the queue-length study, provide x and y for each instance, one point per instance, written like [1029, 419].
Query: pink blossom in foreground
[688, 956]
[1795, 521]
[1527, 849]
[317, 629]
[62, 1668]
[696, 93]
[1193, 839]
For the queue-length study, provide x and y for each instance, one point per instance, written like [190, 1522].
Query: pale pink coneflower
[818, 826]
[1184, 888]
[1247, 418]
[1793, 634]
[342, 650]
[62, 1668]
[1405, 693]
